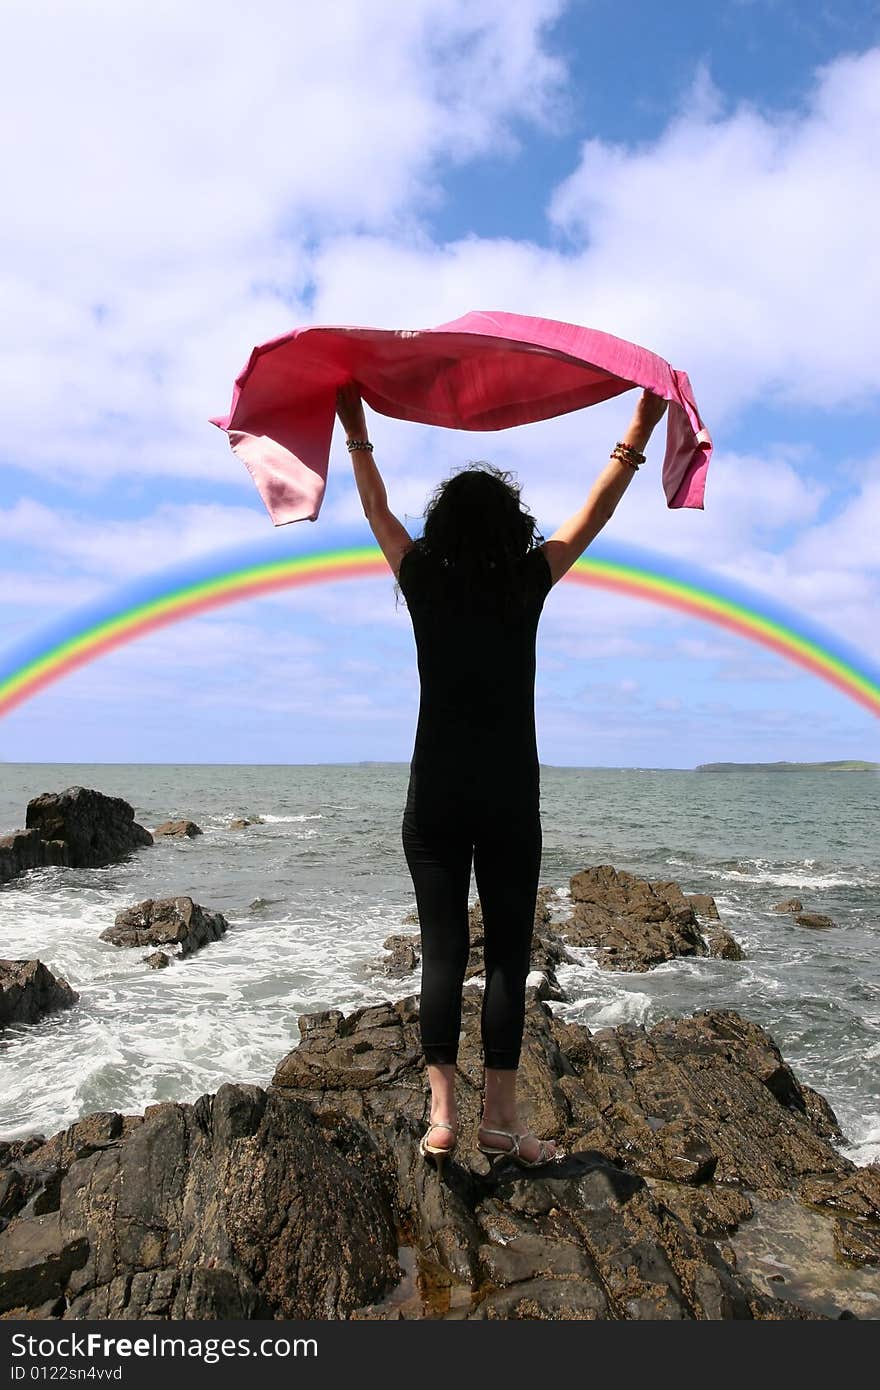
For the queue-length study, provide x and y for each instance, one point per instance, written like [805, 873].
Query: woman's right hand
[649, 410]
[350, 409]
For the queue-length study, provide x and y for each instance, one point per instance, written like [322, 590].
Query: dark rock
[290, 1202]
[855, 1193]
[543, 985]
[790, 905]
[633, 924]
[722, 944]
[704, 1110]
[540, 1299]
[157, 960]
[26, 849]
[242, 822]
[857, 1243]
[166, 922]
[28, 991]
[404, 955]
[703, 904]
[239, 1206]
[79, 828]
[36, 1260]
[97, 829]
[816, 920]
[178, 829]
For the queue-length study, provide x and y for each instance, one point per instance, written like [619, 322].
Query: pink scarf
[485, 371]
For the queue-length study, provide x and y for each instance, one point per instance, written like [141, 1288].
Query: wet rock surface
[632, 923]
[171, 922]
[817, 920]
[671, 1135]
[242, 1205]
[701, 1178]
[629, 923]
[29, 991]
[309, 1198]
[79, 828]
[178, 829]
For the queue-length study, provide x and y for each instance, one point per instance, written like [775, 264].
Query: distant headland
[848, 765]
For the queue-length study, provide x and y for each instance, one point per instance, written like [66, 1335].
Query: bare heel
[430, 1150]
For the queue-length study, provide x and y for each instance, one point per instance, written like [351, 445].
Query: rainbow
[231, 577]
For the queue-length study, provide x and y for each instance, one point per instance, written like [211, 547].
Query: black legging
[504, 842]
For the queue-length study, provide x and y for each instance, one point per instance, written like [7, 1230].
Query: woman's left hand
[350, 409]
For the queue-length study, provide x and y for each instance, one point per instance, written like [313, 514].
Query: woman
[475, 584]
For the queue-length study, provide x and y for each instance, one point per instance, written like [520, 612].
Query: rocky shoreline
[702, 1179]
[308, 1198]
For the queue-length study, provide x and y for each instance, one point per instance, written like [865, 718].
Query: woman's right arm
[571, 539]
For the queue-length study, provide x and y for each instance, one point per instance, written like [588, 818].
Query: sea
[312, 891]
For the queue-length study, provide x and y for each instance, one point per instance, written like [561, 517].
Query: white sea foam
[627, 1008]
[788, 875]
[864, 1147]
[291, 820]
[309, 910]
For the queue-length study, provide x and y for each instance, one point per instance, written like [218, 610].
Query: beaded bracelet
[622, 458]
[627, 454]
[351, 444]
[631, 450]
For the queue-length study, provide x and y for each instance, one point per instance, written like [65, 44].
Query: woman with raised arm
[475, 584]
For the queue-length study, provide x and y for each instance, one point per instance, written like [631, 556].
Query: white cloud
[284, 170]
[171, 165]
[123, 549]
[848, 540]
[729, 240]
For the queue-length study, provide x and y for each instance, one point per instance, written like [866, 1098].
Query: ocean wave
[864, 1146]
[291, 820]
[800, 875]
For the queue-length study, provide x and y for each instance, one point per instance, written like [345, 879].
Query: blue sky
[697, 178]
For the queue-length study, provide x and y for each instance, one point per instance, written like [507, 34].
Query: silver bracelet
[351, 444]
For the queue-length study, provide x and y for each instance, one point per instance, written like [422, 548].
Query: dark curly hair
[476, 529]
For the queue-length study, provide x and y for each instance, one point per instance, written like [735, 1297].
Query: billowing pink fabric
[485, 371]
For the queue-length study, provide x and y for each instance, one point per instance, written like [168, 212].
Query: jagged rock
[29, 990]
[79, 828]
[239, 1206]
[286, 1202]
[857, 1243]
[166, 922]
[703, 1110]
[544, 985]
[36, 1260]
[722, 944]
[632, 924]
[178, 829]
[817, 920]
[790, 905]
[702, 903]
[157, 960]
[242, 822]
[404, 955]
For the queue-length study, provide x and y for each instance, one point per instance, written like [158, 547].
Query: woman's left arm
[392, 535]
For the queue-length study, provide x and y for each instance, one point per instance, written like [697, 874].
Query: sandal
[514, 1153]
[439, 1155]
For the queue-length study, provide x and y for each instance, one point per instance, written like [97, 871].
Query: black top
[476, 724]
